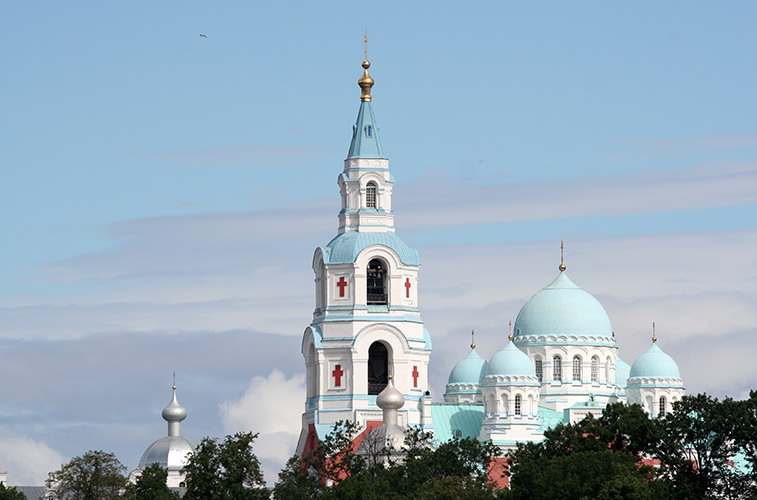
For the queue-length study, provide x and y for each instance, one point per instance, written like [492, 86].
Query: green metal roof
[451, 418]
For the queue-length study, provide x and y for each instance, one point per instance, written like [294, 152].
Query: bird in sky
[203, 35]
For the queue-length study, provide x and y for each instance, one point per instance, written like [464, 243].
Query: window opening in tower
[378, 368]
[376, 283]
[370, 195]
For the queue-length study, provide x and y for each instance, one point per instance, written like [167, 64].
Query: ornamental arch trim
[396, 340]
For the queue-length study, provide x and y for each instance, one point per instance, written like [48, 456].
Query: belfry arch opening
[376, 283]
[378, 367]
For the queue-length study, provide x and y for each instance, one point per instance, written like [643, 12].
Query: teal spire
[365, 135]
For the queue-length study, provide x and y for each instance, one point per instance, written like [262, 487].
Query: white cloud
[272, 406]
[27, 461]
[644, 192]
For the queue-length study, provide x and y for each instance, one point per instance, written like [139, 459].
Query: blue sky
[163, 192]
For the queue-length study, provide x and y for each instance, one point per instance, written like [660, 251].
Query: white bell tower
[366, 324]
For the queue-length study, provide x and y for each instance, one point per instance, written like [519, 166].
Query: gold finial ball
[473, 346]
[562, 267]
[366, 64]
[173, 387]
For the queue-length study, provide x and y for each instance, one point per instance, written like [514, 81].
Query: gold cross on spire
[472, 339]
[562, 256]
[174, 381]
[509, 330]
[654, 334]
[365, 82]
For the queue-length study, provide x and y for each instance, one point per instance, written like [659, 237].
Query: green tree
[745, 413]
[593, 458]
[96, 475]
[10, 493]
[297, 482]
[702, 438]
[225, 471]
[456, 469]
[601, 474]
[151, 485]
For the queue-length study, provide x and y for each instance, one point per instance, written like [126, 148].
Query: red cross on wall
[337, 373]
[415, 376]
[407, 288]
[342, 284]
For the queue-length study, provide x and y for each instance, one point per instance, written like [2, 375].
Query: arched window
[312, 367]
[594, 369]
[539, 368]
[376, 283]
[576, 368]
[557, 368]
[320, 284]
[505, 404]
[663, 406]
[368, 131]
[378, 367]
[518, 409]
[370, 195]
[607, 370]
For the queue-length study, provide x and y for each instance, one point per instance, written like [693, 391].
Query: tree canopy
[10, 493]
[456, 469]
[625, 454]
[151, 485]
[225, 470]
[96, 475]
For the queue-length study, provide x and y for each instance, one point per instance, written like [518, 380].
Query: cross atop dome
[365, 81]
[654, 334]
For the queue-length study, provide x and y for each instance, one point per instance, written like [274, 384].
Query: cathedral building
[559, 363]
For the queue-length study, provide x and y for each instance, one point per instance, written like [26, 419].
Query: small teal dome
[511, 362]
[469, 370]
[622, 371]
[563, 309]
[654, 364]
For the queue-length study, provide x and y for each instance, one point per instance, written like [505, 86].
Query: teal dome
[622, 371]
[654, 364]
[510, 362]
[562, 309]
[345, 247]
[469, 370]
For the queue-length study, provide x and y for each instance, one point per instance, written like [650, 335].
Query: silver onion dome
[174, 412]
[173, 450]
[390, 398]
